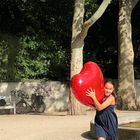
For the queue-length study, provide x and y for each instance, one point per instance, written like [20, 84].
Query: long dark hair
[114, 85]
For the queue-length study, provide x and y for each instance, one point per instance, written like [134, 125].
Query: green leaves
[90, 7]
[30, 57]
[36, 56]
[3, 59]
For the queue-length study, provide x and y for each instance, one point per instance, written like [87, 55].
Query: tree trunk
[126, 89]
[77, 44]
[79, 32]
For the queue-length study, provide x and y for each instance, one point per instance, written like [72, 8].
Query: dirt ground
[58, 126]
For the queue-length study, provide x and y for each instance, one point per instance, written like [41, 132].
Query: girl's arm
[110, 100]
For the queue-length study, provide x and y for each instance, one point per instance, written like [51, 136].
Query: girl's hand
[91, 93]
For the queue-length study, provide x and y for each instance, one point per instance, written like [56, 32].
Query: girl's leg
[101, 138]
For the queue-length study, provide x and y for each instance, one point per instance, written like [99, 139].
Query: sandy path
[44, 127]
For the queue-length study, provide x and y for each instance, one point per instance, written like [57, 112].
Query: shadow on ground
[87, 135]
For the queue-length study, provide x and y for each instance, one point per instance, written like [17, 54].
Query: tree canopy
[35, 39]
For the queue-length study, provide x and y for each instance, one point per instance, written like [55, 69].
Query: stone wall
[55, 100]
[58, 97]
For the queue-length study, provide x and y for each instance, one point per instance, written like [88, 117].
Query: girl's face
[108, 88]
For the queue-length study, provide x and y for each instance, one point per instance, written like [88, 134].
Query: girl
[106, 121]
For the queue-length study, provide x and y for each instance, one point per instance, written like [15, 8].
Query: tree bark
[77, 44]
[126, 89]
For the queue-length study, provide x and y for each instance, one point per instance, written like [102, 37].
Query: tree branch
[87, 24]
[134, 3]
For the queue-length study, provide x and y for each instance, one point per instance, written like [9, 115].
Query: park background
[35, 43]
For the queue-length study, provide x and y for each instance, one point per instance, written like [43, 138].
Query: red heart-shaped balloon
[89, 77]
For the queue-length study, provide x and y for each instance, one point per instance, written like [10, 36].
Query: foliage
[35, 39]
[42, 41]
[35, 59]
[3, 59]
[90, 7]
